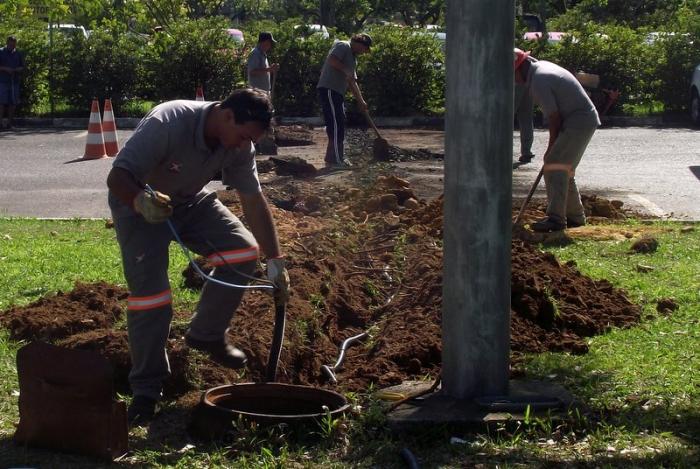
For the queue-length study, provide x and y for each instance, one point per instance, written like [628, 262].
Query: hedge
[404, 74]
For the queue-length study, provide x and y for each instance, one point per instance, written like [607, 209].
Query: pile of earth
[352, 269]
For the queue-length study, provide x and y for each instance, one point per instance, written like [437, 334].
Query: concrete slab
[544, 399]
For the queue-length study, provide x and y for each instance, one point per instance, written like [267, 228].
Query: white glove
[278, 275]
[154, 207]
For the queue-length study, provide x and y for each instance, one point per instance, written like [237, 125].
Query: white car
[313, 29]
[69, 29]
[695, 96]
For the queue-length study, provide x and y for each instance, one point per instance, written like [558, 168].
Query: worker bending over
[572, 120]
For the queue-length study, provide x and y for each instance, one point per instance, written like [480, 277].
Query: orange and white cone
[200, 94]
[95, 145]
[109, 130]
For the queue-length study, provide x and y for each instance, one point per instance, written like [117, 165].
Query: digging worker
[11, 64]
[338, 72]
[572, 120]
[523, 113]
[176, 150]
[259, 69]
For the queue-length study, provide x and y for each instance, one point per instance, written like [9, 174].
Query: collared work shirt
[168, 151]
[333, 78]
[555, 89]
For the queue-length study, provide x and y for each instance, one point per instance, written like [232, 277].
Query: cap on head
[364, 39]
[519, 57]
[266, 36]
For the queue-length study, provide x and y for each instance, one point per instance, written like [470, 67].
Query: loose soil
[364, 253]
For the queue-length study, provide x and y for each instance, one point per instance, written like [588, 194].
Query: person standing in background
[11, 64]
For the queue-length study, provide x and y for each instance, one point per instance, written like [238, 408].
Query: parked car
[553, 37]
[307, 30]
[68, 29]
[236, 36]
[695, 96]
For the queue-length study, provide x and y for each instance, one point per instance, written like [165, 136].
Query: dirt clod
[666, 306]
[645, 245]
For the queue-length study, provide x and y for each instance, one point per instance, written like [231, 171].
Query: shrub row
[403, 75]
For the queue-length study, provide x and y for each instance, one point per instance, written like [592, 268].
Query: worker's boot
[547, 225]
[525, 158]
[220, 351]
[141, 411]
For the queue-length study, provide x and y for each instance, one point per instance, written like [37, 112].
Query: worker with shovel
[340, 71]
[156, 190]
[572, 120]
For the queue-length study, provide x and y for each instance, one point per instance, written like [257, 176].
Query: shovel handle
[371, 122]
[529, 196]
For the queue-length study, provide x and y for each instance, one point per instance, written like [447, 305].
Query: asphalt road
[655, 170]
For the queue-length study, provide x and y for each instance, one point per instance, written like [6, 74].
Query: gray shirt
[168, 151]
[555, 89]
[258, 59]
[333, 78]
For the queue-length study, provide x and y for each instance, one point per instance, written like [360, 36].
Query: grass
[130, 108]
[640, 386]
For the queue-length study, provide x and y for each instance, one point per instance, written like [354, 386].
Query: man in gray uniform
[340, 71]
[176, 150]
[523, 107]
[259, 69]
[572, 120]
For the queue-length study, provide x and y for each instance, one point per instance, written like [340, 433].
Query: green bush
[404, 73]
[677, 56]
[193, 53]
[106, 65]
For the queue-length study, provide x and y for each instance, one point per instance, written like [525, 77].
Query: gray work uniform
[555, 89]
[331, 77]
[524, 108]
[168, 152]
[258, 59]
[332, 86]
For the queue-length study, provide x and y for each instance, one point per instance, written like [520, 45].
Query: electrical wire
[267, 286]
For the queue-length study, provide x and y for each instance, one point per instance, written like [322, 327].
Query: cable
[198, 269]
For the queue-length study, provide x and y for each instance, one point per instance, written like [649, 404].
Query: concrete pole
[478, 178]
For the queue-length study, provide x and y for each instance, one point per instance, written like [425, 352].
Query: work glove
[278, 275]
[154, 207]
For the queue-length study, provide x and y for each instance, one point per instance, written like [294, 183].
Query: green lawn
[640, 387]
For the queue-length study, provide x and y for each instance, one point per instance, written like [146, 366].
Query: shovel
[529, 196]
[380, 147]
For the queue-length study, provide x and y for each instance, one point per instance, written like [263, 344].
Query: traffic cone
[95, 145]
[109, 129]
[200, 94]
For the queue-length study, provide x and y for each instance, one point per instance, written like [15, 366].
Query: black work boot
[571, 223]
[547, 225]
[526, 158]
[141, 411]
[220, 351]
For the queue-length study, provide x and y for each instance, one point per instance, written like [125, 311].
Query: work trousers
[564, 200]
[333, 106]
[207, 228]
[524, 107]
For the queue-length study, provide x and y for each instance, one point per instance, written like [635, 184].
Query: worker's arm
[259, 218]
[355, 88]
[260, 71]
[123, 185]
[554, 122]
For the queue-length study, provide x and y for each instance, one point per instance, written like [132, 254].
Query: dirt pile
[360, 259]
